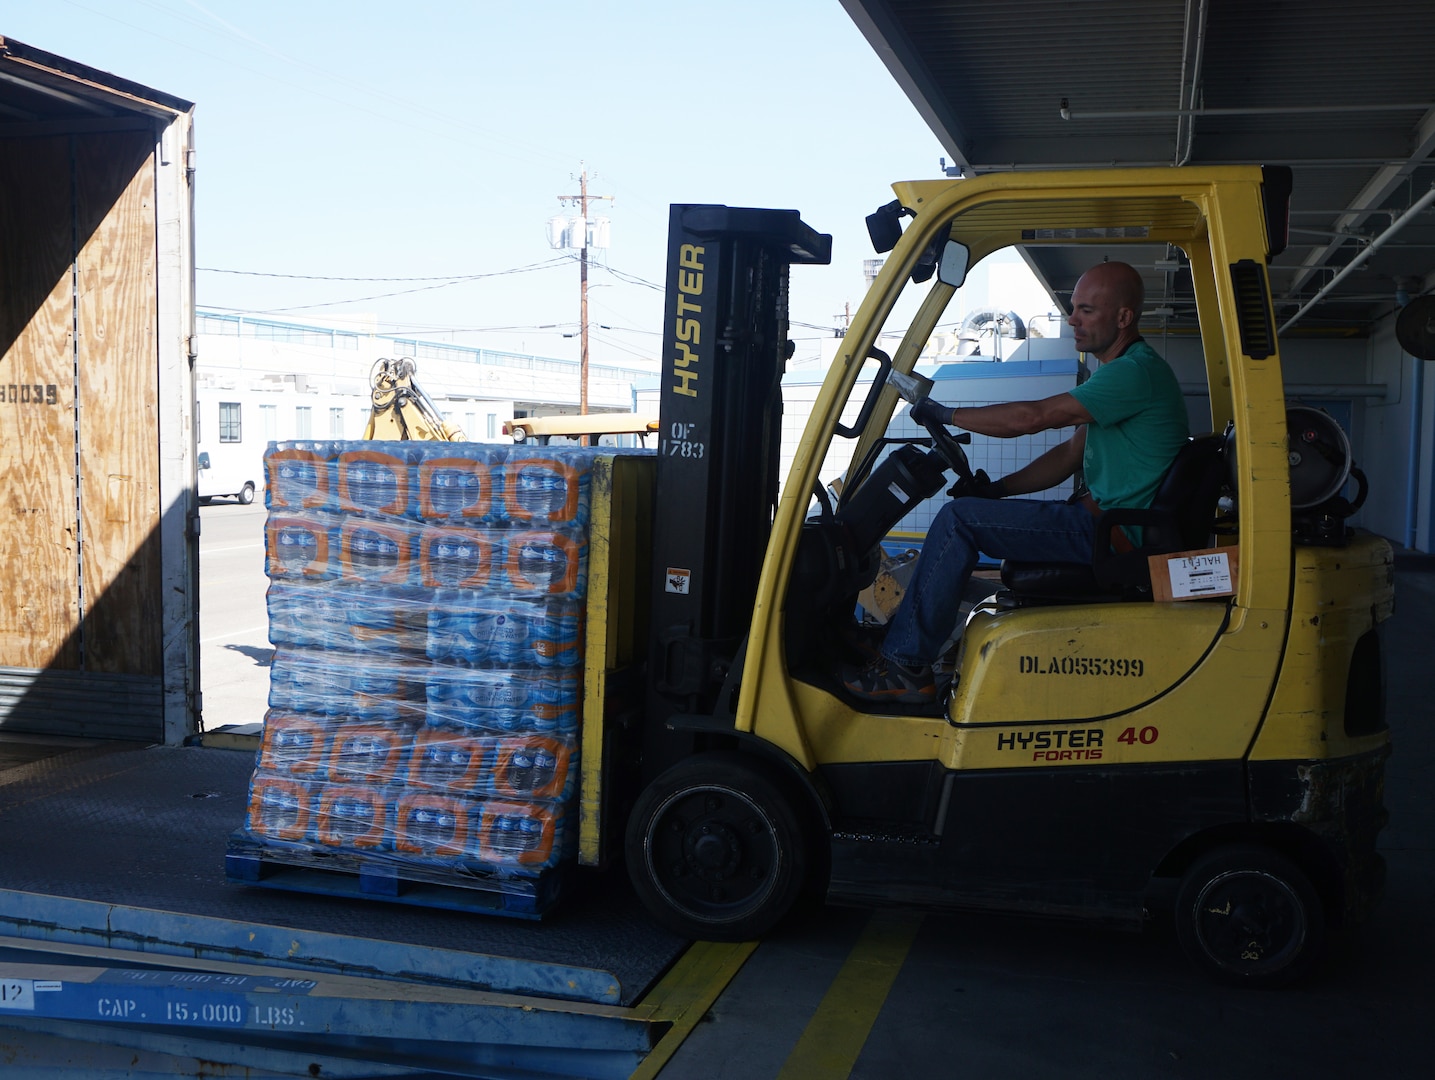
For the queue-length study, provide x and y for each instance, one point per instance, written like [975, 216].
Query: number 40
[1146, 736]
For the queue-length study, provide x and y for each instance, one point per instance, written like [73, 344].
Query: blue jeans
[1025, 529]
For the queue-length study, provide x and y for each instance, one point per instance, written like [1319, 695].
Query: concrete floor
[980, 996]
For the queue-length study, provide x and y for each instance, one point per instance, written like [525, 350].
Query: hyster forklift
[1112, 748]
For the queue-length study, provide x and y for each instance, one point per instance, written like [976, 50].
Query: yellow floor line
[685, 994]
[835, 1035]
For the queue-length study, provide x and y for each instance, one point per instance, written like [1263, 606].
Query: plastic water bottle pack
[461, 486]
[512, 634]
[426, 605]
[373, 481]
[298, 476]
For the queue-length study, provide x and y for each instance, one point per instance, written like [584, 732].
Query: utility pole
[580, 241]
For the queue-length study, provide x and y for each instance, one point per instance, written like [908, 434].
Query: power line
[632, 279]
[359, 299]
[436, 277]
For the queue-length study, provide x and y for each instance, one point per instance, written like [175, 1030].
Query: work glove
[978, 486]
[927, 411]
[983, 488]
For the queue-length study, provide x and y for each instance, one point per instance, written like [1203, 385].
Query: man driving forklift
[1130, 420]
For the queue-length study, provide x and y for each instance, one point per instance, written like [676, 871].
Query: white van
[229, 465]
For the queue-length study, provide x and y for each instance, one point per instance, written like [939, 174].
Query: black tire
[716, 850]
[1248, 915]
[246, 495]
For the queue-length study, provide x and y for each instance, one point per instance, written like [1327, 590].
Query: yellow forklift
[1113, 748]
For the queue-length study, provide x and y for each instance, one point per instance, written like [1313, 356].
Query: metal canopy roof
[41, 93]
[1342, 93]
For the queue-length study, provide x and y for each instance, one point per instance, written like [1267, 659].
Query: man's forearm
[1004, 420]
[1046, 471]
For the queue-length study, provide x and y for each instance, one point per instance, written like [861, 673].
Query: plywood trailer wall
[117, 388]
[39, 544]
[82, 625]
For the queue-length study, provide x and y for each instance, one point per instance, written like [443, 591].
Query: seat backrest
[1186, 500]
[1180, 518]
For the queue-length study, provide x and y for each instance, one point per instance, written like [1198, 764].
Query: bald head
[1124, 282]
[1106, 309]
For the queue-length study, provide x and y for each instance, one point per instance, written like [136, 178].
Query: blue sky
[423, 140]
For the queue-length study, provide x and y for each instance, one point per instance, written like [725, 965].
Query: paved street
[233, 626]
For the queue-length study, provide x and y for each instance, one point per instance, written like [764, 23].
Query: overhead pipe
[1370, 249]
[1188, 100]
[1374, 191]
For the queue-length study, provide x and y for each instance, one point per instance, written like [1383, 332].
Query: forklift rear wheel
[715, 849]
[1248, 915]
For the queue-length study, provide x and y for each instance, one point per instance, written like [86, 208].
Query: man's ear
[1125, 317]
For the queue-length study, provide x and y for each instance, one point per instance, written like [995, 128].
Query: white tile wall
[956, 384]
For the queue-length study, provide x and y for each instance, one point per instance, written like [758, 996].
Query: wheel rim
[1250, 921]
[713, 852]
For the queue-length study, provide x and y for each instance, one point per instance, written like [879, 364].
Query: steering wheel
[949, 446]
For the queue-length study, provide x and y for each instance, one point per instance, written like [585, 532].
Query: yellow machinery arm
[401, 410]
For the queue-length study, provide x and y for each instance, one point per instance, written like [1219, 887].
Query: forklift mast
[719, 437]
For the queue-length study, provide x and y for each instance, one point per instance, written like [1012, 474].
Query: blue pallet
[453, 886]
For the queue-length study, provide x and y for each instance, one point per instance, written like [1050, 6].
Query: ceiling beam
[1416, 208]
[1370, 199]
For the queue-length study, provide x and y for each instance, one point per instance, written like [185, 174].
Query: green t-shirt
[1138, 424]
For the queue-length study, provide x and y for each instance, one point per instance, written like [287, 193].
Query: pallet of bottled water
[426, 609]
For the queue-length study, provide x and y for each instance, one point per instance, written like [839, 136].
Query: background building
[260, 380]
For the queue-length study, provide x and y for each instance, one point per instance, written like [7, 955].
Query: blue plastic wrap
[426, 605]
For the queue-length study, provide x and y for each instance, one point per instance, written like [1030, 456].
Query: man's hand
[978, 486]
[982, 488]
[927, 412]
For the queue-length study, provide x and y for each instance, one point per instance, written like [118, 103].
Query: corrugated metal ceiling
[1343, 93]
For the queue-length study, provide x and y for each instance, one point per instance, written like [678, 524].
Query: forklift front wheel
[715, 850]
[1248, 915]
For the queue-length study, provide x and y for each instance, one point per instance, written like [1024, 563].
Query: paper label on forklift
[1204, 574]
[679, 580]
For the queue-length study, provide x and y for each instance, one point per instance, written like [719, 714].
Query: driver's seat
[1180, 518]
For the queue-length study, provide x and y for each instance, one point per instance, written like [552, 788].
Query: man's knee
[967, 509]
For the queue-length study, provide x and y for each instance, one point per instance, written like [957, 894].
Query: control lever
[910, 386]
[913, 388]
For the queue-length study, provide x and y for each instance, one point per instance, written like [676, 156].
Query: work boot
[886, 681]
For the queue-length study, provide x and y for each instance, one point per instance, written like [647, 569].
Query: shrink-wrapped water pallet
[426, 609]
